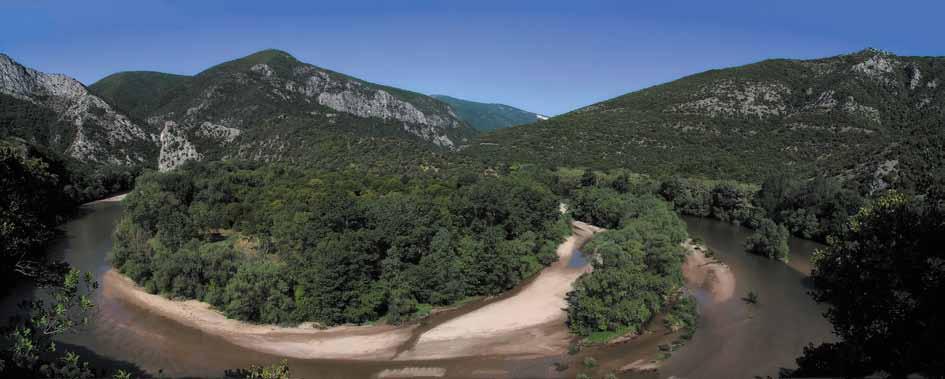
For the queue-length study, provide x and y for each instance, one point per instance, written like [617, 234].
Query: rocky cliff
[270, 106]
[56, 110]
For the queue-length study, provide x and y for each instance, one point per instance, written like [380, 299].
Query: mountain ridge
[854, 115]
[256, 107]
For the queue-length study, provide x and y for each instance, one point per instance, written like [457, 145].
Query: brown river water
[733, 340]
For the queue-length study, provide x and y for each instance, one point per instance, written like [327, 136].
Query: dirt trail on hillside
[530, 322]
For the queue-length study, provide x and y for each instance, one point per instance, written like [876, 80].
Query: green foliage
[139, 92]
[68, 366]
[280, 244]
[769, 240]
[882, 280]
[812, 209]
[636, 267]
[487, 117]
[38, 190]
[279, 370]
[682, 316]
[29, 348]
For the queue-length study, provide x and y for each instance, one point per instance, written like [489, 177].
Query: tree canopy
[637, 263]
[882, 280]
[279, 244]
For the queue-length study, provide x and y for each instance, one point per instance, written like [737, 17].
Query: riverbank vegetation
[769, 240]
[280, 244]
[813, 209]
[39, 190]
[636, 263]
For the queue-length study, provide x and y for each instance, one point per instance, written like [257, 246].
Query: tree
[275, 371]
[30, 341]
[770, 240]
[883, 280]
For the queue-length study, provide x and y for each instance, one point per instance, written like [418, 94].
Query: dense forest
[812, 209]
[280, 244]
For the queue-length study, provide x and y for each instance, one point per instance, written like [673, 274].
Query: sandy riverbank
[713, 276]
[342, 342]
[531, 322]
[113, 199]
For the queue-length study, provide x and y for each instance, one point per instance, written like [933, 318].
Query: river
[734, 339]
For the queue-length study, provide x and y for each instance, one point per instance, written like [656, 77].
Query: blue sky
[546, 56]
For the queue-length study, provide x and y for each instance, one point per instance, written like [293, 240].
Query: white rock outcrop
[731, 98]
[175, 148]
[101, 133]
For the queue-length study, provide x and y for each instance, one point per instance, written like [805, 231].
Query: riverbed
[734, 339]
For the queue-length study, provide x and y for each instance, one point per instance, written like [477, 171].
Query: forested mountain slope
[871, 115]
[486, 116]
[57, 111]
[270, 106]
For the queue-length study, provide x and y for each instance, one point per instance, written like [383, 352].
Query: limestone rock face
[99, 133]
[356, 98]
[175, 148]
[269, 104]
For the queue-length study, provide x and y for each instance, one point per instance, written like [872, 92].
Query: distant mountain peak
[489, 116]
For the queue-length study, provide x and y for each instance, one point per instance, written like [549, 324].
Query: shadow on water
[103, 365]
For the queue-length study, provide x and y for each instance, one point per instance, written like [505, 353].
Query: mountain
[270, 106]
[138, 92]
[870, 116]
[487, 117]
[57, 111]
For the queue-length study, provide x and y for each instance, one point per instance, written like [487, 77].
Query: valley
[267, 210]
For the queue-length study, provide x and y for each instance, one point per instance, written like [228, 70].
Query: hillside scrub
[277, 244]
[800, 118]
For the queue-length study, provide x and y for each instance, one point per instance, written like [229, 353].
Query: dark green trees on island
[278, 244]
[636, 264]
[769, 240]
